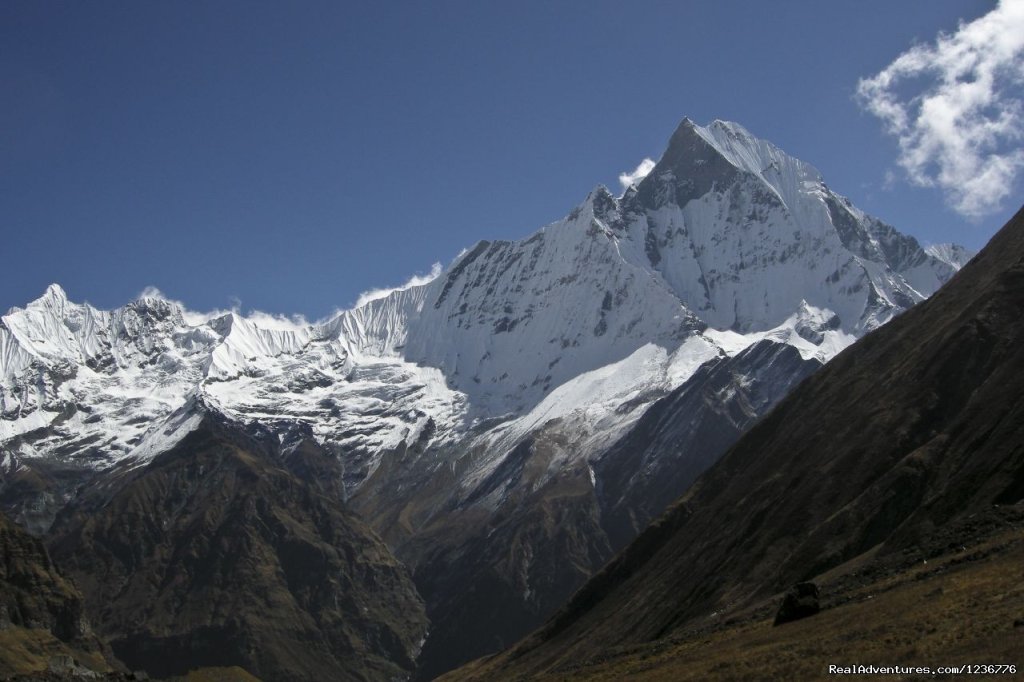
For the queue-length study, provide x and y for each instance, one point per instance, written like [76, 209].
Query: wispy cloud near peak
[638, 174]
[414, 281]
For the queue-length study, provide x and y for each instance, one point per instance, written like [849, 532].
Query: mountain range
[464, 452]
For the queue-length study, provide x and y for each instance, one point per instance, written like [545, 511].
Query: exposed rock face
[42, 615]
[916, 430]
[32, 493]
[230, 549]
[34, 594]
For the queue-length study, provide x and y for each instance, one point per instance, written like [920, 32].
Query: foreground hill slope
[915, 431]
[962, 603]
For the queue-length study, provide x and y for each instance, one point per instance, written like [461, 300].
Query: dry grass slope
[29, 650]
[957, 609]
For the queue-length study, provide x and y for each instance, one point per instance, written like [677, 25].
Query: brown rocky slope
[233, 550]
[42, 615]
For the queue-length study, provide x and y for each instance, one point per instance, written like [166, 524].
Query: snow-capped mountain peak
[727, 239]
[723, 214]
[53, 296]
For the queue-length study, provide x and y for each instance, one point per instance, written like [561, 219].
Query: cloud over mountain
[955, 108]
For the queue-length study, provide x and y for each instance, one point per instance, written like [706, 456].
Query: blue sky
[289, 156]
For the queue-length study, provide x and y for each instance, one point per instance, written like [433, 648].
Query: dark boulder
[800, 602]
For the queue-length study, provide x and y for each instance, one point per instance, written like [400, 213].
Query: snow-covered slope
[954, 254]
[96, 386]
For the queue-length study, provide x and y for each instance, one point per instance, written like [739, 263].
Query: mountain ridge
[659, 264]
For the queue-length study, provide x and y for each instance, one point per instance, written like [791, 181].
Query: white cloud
[261, 319]
[955, 108]
[191, 317]
[641, 171]
[414, 281]
[890, 180]
[276, 321]
[152, 292]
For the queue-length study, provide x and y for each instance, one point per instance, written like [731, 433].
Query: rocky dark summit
[688, 156]
[233, 550]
